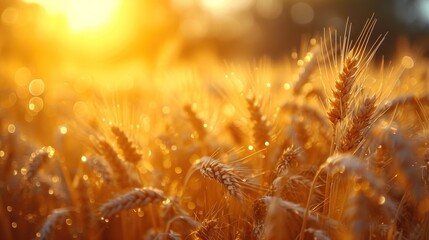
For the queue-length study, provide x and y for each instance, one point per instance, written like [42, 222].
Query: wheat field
[330, 143]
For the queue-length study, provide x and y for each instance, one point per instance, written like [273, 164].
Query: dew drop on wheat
[69, 222]
[11, 128]
[63, 130]
[140, 213]
[55, 179]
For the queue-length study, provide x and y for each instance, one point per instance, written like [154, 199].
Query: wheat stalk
[259, 207]
[261, 130]
[281, 213]
[197, 123]
[84, 203]
[360, 215]
[410, 99]
[136, 198]
[129, 150]
[57, 217]
[355, 59]
[358, 125]
[318, 234]
[236, 133]
[404, 160]
[37, 159]
[343, 88]
[306, 70]
[101, 168]
[207, 229]
[118, 165]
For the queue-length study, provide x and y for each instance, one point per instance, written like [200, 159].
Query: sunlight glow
[81, 15]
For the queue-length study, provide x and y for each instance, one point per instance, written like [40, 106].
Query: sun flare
[81, 15]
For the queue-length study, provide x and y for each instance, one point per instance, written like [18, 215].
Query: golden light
[81, 15]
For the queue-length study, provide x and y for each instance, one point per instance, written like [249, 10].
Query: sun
[81, 15]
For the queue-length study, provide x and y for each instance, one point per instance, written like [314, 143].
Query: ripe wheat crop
[333, 149]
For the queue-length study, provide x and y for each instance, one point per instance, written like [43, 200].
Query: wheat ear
[197, 123]
[306, 70]
[404, 155]
[138, 197]
[357, 58]
[128, 149]
[289, 158]
[261, 130]
[101, 168]
[410, 99]
[223, 174]
[117, 164]
[37, 159]
[358, 125]
[343, 88]
[295, 188]
[54, 219]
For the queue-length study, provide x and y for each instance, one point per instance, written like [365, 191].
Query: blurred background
[82, 38]
[114, 30]
[54, 53]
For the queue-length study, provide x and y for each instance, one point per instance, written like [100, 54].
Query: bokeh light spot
[302, 13]
[63, 130]
[407, 62]
[35, 104]
[36, 87]
[11, 128]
